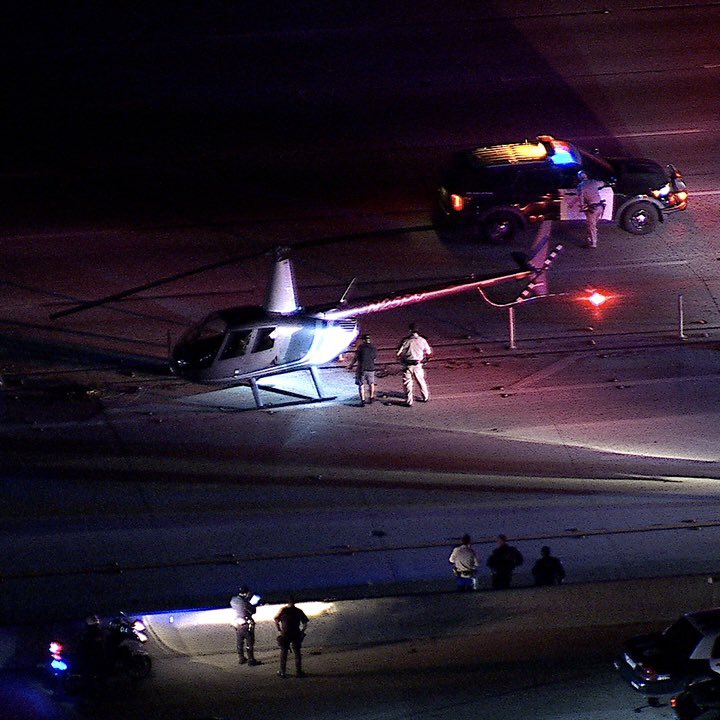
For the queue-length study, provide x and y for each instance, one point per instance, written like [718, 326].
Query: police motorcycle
[118, 648]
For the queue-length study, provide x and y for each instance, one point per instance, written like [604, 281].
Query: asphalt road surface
[144, 146]
[543, 652]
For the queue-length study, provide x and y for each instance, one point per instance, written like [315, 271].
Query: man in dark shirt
[92, 651]
[291, 622]
[244, 624]
[365, 356]
[548, 570]
[502, 561]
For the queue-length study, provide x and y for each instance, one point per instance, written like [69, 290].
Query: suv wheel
[640, 218]
[501, 227]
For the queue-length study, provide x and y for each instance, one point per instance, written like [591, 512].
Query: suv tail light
[651, 674]
[648, 672]
[457, 202]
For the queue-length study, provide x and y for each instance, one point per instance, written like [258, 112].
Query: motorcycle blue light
[60, 665]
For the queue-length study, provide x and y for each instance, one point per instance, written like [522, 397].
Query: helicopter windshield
[213, 326]
[201, 344]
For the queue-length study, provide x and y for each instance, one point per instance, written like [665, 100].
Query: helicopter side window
[300, 343]
[236, 344]
[264, 340]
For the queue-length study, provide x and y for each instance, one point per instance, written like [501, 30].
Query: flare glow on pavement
[596, 298]
[225, 616]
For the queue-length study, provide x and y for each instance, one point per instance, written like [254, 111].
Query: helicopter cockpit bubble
[199, 346]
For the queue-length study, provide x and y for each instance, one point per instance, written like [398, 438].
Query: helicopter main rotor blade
[81, 307]
[153, 284]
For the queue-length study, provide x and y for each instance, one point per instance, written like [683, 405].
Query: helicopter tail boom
[434, 292]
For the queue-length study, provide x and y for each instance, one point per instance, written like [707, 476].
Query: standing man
[502, 561]
[365, 356]
[291, 622]
[588, 192]
[464, 562]
[414, 350]
[92, 652]
[548, 570]
[244, 624]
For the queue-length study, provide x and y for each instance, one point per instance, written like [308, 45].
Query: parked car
[664, 663]
[700, 699]
[496, 191]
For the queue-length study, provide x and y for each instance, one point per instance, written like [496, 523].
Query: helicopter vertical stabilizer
[282, 294]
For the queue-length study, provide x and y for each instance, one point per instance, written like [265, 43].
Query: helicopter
[241, 345]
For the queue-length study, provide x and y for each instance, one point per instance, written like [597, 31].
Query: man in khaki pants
[413, 352]
[588, 192]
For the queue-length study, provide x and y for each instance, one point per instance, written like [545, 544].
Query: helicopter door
[262, 353]
[244, 351]
[232, 355]
[236, 344]
[264, 340]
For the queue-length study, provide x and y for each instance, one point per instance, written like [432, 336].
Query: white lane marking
[687, 131]
[696, 193]
[711, 66]
[546, 372]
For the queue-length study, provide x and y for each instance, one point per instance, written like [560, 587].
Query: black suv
[499, 190]
[664, 663]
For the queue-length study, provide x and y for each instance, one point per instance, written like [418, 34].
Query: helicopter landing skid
[300, 398]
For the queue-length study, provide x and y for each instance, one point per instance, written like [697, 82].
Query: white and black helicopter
[244, 344]
[241, 345]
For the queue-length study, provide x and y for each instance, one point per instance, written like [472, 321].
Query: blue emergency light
[564, 155]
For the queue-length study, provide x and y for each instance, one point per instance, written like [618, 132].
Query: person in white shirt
[414, 350]
[588, 192]
[464, 562]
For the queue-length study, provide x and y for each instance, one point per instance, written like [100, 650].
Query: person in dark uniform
[244, 624]
[502, 561]
[364, 361]
[92, 652]
[291, 622]
[548, 570]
